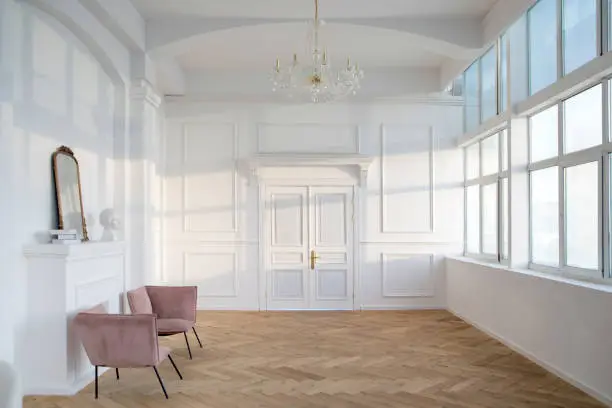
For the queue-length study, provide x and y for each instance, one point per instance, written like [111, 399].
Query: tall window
[542, 26]
[486, 192]
[503, 73]
[488, 84]
[579, 33]
[565, 167]
[472, 97]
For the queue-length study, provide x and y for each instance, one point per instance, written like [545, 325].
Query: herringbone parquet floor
[335, 359]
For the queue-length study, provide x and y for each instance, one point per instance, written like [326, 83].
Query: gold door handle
[313, 259]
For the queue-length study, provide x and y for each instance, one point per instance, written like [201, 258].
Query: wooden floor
[335, 359]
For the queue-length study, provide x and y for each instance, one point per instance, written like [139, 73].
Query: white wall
[211, 211]
[62, 98]
[562, 326]
[64, 80]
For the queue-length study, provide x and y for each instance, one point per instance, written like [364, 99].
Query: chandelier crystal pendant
[316, 80]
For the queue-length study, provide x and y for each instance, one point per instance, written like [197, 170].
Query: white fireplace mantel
[63, 280]
[360, 161]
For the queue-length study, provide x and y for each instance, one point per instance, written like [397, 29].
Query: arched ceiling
[190, 39]
[257, 47]
[304, 8]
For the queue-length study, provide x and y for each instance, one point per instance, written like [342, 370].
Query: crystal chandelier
[316, 80]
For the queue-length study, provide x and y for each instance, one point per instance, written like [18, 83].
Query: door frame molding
[358, 190]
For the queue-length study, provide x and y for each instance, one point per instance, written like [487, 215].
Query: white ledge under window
[362, 162]
[602, 286]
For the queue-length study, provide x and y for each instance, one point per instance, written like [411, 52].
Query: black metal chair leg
[175, 367]
[117, 372]
[197, 337]
[96, 371]
[160, 382]
[188, 348]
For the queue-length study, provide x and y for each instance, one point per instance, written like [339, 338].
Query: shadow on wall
[63, 97]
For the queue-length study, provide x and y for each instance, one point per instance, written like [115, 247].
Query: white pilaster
[143, 159]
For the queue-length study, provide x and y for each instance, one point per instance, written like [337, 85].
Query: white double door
[309, 247]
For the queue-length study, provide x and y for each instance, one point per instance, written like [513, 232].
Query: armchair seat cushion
[173, 326]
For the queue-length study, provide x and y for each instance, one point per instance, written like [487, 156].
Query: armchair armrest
[174, 302]
[121, 341]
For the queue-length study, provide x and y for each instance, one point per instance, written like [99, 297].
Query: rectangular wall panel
[407, 179]
[407, 275]
[308, 138]
[209, 178]
[215, 274]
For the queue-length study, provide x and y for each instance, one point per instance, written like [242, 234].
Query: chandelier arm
[317, 80]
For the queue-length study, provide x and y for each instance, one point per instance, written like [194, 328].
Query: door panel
[299, 220]
[287, 218]
[330, 219]
[331, 237]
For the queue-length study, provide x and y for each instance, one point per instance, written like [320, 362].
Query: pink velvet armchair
[121, 341]
[174, 306]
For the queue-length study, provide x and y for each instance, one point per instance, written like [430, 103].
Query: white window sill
[602, 286]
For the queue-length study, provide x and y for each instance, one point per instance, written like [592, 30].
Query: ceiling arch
[170, 36]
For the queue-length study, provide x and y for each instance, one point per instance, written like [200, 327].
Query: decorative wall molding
[258, 162]
[295, 134]
[142, 89]
[187, 228]
[212, 294]
[385, 228]
[389, 292]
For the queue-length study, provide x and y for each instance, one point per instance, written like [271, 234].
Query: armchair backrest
[139, 301]
[121, 341]
[174, 302]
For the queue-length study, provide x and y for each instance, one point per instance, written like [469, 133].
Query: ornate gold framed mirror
[67, 178]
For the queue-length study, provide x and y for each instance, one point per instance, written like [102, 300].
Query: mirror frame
[66, 151]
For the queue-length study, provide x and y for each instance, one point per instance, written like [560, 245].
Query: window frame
[495, 48]
[564, 161]
[487, 180]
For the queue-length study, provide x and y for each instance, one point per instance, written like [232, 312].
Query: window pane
[582, 200]
[504, 150]
[489, 219]
[503, 81]
[505, 220]
[488, 67]
[579, 33]
[583, 120]
[472, 98]
[473, 161]
[544, 131]
[542, 45]
[490, 155]
[610, 25]
[473, 219]
[545, 217]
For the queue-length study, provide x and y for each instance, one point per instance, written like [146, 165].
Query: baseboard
[392, 308]
[227, 309]
[68, 389]
[533, 358]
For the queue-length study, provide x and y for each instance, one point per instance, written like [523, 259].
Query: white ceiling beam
[171, 36]
[122, 19]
